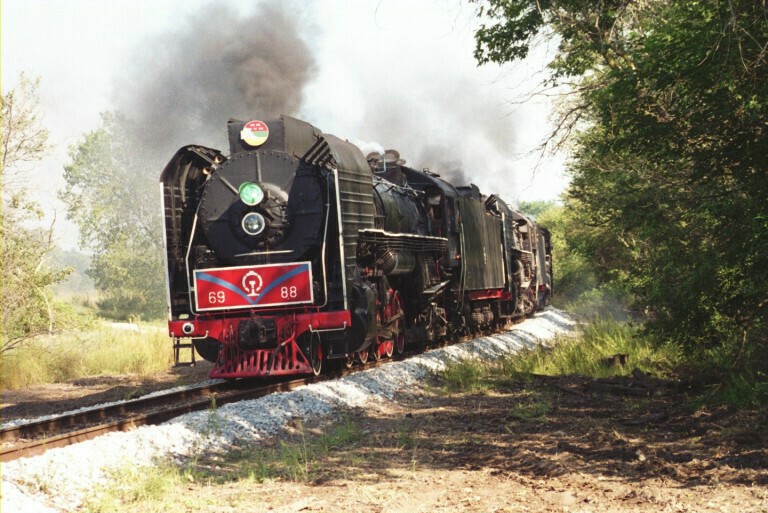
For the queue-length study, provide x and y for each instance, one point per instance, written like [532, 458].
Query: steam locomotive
[296, 251]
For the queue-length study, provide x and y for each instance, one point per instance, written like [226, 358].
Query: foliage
[584, 355]
[535, 208]
[669, 169]
[23, 137]
[574, 272]
[77, 286]
[592, 36]
[100, 350]
[582, 283]
[741, 386]
[114, 201]
[27, 306]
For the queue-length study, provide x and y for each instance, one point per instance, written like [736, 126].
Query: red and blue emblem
[253, 286]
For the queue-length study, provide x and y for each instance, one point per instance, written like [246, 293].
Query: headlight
[250, 193]
[253, 223]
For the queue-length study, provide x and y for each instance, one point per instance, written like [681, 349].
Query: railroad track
[37, 437]
[34, 438]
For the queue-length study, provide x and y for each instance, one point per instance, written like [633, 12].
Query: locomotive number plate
[253, 286]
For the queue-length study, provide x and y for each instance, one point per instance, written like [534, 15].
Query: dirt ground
[541, 446]
[42, 400]
[545, 445]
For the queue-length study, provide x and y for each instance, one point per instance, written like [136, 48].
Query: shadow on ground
[538, 428]
[83, 392]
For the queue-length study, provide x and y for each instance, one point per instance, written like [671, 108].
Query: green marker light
[250, 193]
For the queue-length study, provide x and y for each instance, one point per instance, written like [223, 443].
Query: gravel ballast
[61, 479]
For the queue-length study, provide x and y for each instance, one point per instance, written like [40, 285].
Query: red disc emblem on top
[255, 133]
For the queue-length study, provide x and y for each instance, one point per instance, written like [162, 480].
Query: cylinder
[393, 262]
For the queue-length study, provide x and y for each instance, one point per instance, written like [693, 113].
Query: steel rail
[100, 414]
[212, 395]
[195, 399]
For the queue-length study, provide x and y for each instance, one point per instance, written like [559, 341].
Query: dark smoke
[404, 77]
[442, 160]
[450, 129]
[184, 86]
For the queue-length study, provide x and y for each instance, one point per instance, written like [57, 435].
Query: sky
[381, 73]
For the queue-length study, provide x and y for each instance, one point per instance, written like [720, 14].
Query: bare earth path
[540, 446]
[43, 400]
[545, 445]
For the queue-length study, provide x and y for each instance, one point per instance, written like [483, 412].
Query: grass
[743, 390]
[740, 380]
[298, 459]
[466, 375]
[535, 409]
[583, 355]
[132, 486]
[294, 459]
[105, 350]
[586, 354]
[715, 382]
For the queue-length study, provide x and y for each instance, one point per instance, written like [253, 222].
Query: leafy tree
[114, 201]
[78, 286]
[669, 169]
[23, 138]
[591, 37]
[535, 208]
[592, 34]
[685, 163]
[577, 271]
[27, 306]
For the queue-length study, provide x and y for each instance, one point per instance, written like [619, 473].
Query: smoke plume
[183, 86]
[445, 161]
[409, 82]
[453, 131]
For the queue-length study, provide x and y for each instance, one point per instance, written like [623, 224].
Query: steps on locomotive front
[180, 345]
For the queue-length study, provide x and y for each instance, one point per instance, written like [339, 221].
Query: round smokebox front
[240, 214]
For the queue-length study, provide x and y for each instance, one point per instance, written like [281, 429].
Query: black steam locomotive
[296, 250]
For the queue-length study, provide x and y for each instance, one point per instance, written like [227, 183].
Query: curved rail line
[62, 430]
[126, 416]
